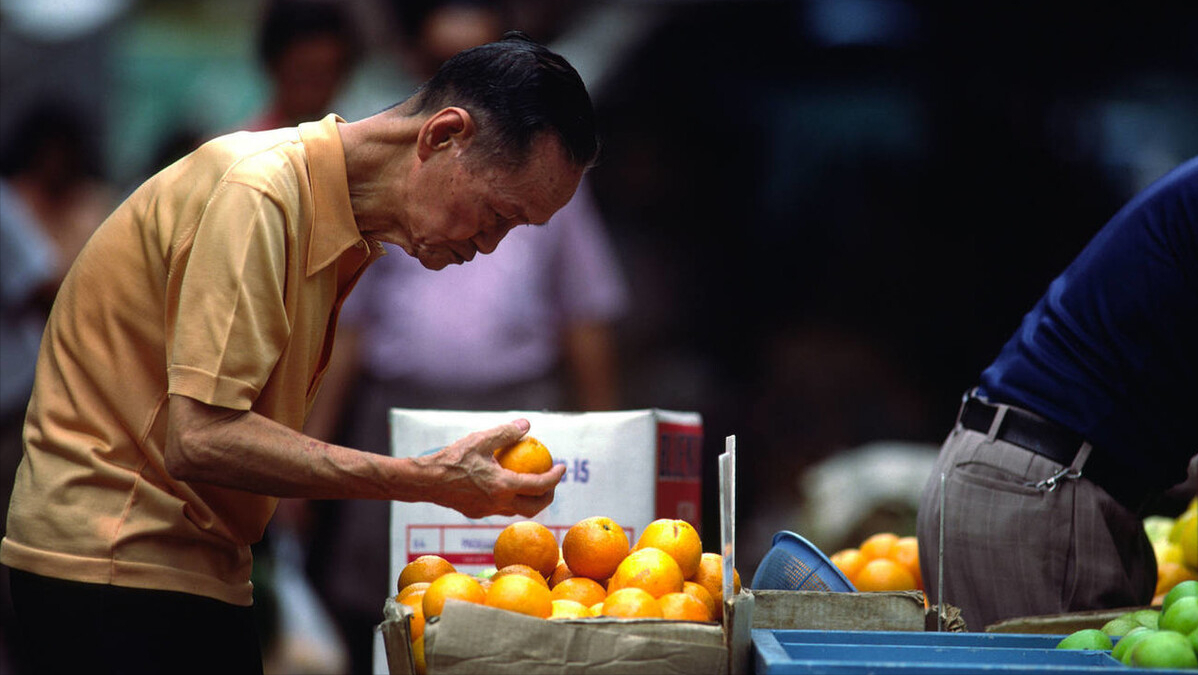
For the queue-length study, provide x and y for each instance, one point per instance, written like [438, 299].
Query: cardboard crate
[633, 466]
[472, 639]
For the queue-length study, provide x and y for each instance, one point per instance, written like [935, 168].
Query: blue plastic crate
[804, 652]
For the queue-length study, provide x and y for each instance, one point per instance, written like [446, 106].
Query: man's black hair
[517, 89]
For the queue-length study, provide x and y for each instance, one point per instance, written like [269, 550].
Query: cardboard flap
[469, 638]
[818, 610]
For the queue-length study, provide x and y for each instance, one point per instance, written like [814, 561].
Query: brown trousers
[1012, 548]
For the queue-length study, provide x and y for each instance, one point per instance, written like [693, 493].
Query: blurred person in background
[1080, 424]
[52, 197]
[530, 327]
[309, 49]
[190, 337]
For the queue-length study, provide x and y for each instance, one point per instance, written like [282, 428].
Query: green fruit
[1125, 643]
[1119, 626]
[1148, 618]
[1185, 589]
[1182, 615]
[1194, 640]
[1163, 649]
[1087, 638]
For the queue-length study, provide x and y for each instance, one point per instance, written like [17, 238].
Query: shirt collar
[334, 229]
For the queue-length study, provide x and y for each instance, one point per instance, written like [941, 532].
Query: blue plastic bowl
[795, 564]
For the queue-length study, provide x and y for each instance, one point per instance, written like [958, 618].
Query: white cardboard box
[632, 466]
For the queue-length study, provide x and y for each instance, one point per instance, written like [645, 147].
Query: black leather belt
[1057, 443]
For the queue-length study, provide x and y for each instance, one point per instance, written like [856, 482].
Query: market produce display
[595, 572]
[1175, 542]
[1149, 638]
[883, 562]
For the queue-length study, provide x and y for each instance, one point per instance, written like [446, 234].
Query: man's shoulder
[267, 160]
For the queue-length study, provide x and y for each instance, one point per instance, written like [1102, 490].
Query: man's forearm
[246, 451]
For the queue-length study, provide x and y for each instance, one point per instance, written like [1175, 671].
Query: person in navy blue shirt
[1088, 414]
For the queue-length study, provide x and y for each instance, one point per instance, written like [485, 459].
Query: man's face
[462, 207]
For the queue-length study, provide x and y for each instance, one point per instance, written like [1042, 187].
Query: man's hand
[467, 478]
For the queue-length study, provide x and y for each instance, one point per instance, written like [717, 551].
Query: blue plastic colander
[795, 564]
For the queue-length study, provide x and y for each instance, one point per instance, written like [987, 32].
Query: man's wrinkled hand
[470, 481]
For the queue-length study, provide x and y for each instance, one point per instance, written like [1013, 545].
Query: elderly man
[189, 340]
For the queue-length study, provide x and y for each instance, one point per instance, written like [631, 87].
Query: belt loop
[1079, 460]
[1000, 412]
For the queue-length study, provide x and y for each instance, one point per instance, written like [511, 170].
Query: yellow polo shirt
[219, 279]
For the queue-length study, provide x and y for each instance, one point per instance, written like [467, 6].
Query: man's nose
[488, 240]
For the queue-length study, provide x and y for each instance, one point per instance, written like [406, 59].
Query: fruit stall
[619, 593]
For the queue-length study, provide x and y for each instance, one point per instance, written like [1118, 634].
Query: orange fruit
[1169, 574]
[580, 589]
[453, 585]
[878, 545]
[570, 609]
[527, 542]
[905, 552]
[683, 607]
[418, 656]
[527, 455]
[522, 570]
[711, 577]
[518, 593]
[630, 603]
[676, 537]
[416, 602]
[884, 574]
[650, 569]
[700, 593]
[560, 574]
[593, 547]
[424, 568]
[849, 560]
[410, 589]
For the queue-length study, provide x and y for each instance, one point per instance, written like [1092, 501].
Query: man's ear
[447, 129]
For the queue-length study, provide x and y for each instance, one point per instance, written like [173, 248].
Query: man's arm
[246, 451]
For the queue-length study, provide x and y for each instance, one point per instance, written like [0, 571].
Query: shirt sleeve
[232, 321]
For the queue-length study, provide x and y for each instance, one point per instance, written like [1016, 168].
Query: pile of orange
[594, 572]
[883, 562]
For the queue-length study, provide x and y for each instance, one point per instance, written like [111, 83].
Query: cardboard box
[632, 466]
[478, 640]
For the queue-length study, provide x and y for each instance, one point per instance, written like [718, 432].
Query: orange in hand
[649, 569]
[527, 455]
[527, 542]
[518, 593]
[593, 547]
[677, 538]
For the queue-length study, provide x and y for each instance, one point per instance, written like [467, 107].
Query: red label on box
[680, 472]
